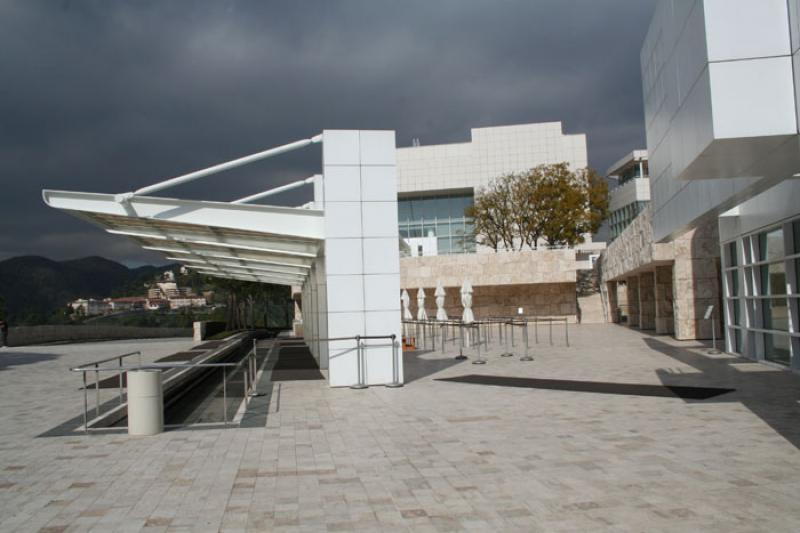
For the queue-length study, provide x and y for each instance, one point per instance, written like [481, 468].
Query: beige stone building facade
[542, 282]
[667, 286]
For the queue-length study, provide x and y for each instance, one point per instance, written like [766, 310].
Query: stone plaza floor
[431, 456]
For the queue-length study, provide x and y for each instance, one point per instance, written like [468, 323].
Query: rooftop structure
[632, 191]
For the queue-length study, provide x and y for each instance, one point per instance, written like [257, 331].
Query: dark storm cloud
[110, 96]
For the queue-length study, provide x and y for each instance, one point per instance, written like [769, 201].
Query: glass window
[737, 340]
[732, 260]
[458, 206]
[733, 278]
[737, 318]
[797, 275]
[776, 314]
[770, 245]
[442, 215]
[442, 208]
[773, 279]
[403, 210]
[428, 209]
[776, 348]
[415, 211]
[746, 244]
[796, 232]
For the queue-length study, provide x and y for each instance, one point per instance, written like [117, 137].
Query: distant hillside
[34, 287]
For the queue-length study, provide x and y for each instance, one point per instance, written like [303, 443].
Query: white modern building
[436, 183]
[342, 249]
[721, 84]
[631, 192]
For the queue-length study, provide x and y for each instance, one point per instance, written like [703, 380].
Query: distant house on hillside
[127, 303]
[90, 307]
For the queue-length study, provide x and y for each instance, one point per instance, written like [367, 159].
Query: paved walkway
[432, 456]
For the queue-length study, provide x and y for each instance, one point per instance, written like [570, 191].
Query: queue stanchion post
[480, 360]
[395, 365]
[527, 356]
[550, 329]
[461, 356]
[361, 384]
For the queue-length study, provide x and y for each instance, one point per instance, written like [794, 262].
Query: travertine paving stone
[431, 456]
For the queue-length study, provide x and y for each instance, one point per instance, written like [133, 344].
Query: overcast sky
[109, 96]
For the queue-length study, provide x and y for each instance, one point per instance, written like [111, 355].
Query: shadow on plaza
[9, 359]
[770, 394]
[416, 367]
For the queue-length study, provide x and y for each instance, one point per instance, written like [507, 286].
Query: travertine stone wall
[634, 249]
[665, 319]
[696, 282]
[694, 259]
[540, 299]
[503, 268]
[632, 290]
[613, 301]
[647, 301]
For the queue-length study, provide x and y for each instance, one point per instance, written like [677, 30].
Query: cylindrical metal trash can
[145, 402]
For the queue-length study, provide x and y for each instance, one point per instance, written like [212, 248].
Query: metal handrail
[360, 360]
[113, 358]
[249, 379]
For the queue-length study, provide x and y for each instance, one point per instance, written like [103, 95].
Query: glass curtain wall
[621, 218]
[441, 215]
[761, 277]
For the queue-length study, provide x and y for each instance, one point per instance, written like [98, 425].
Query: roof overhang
[267, 244]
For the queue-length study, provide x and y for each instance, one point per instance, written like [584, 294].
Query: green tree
[549, 203]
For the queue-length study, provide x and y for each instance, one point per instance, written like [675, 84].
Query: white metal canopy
[267, 244]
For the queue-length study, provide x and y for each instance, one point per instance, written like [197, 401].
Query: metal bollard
[566, 331]
[359, 364]
[85, 405]
[225, 395]
[480, 360]
[536, 329]
[120, 381]
[526, 357]
[97, 390]
[395, 366]
[550, 322]
[443, 333]
[460, 356]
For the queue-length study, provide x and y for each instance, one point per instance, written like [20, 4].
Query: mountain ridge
[34, 287]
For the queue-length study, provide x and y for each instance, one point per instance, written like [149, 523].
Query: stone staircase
[591, 309]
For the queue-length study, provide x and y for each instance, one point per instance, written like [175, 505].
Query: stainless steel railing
[249, 373]
[361, 363]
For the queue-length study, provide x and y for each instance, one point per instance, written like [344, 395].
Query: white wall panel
[740, 29]
[379, 183]
[344, 256]
[381, 255]
[381, 292]
[753, 98]
[343, 183]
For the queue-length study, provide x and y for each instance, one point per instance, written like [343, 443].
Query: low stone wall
[537, 299]
[503, 268]
[27, 335]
